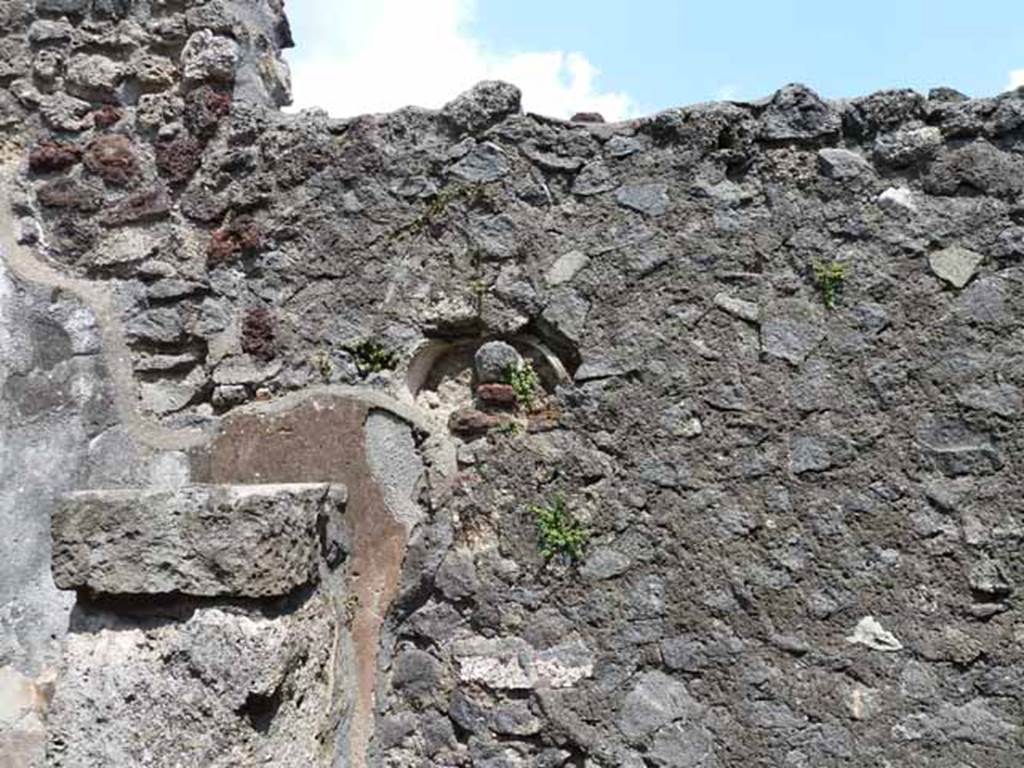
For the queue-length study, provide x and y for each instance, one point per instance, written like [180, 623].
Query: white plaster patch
[564, 665]
[897, 199]
[870, 633]
[513, 664]
[495, 672]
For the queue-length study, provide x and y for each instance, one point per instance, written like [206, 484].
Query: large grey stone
[416, 672]
[64, 113]
[683, 745]
[162, 397]
[515, 719]
[648, 199]
[551, 161]
[715, 645]
[988, 577]
[484, 163]
[493, 361]
[604, 563]
[62, 6]
[955, 265]
[623, 146]
[566, 267]
[955, 448]
[987, 301]
[249, 541]
[566, 313]
[593, 179]
[163, 325]
[496, 237]
[1001, 399]
[979, 166]
[795, 113]
[654, 701]
[46, 31]
[790, 330]
[209, 57]
[817, 453]
[971, 723]
[485, 104]
[842, 164]
[92, 76]
[906, 147]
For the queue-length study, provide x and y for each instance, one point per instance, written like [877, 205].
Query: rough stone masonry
[310, 403]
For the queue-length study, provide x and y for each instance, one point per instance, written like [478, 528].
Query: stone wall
[761, 506]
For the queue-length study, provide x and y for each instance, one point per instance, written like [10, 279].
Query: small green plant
[561, 535]
[372, 357]
[474, 195]
[322, 364]
[524, 382]
[479, 290]
[830, 276]
[509, 428]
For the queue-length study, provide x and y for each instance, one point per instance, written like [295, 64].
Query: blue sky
[628, 58]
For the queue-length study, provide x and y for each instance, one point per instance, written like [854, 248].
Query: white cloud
[727, 92]
[381, 55]
[1016, 79]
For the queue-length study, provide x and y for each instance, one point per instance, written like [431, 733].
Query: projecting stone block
[240, 540]
[223, 687]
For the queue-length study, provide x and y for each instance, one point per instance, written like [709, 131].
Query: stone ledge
[203, 541]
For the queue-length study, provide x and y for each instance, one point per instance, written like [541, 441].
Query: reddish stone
[240, 237]
[204, 109]
[497, 394]
[145, 205]
[48, 156]
[470, 421]
[258, 333]
[177, 159]
[69, 193]
[588, 117]
[113, 159]
[543, 421]
[106, 116]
